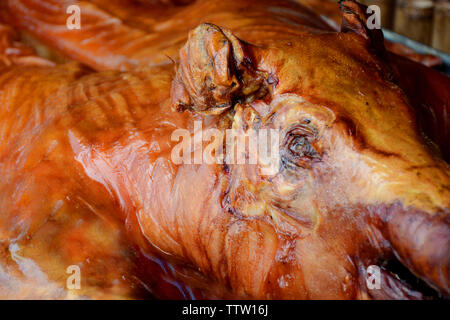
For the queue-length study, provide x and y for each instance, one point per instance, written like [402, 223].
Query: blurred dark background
[426, 21]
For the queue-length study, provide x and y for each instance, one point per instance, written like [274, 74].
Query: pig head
[358, 184]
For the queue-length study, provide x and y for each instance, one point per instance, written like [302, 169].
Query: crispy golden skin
[87, 175]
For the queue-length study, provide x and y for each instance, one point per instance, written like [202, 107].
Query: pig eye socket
[298, 147]
[301, 147]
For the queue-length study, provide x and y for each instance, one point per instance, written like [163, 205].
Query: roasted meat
[89, 176]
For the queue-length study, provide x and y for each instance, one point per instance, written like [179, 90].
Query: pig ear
[354, 20]
[216, 71]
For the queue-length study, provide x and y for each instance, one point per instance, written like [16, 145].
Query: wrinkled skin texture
[87, 176]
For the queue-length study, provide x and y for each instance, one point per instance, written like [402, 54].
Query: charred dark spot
[428, 166]
[180, 107]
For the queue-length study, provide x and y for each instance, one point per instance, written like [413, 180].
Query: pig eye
[298, 146]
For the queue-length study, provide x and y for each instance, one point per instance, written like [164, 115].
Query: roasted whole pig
[88, 177]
